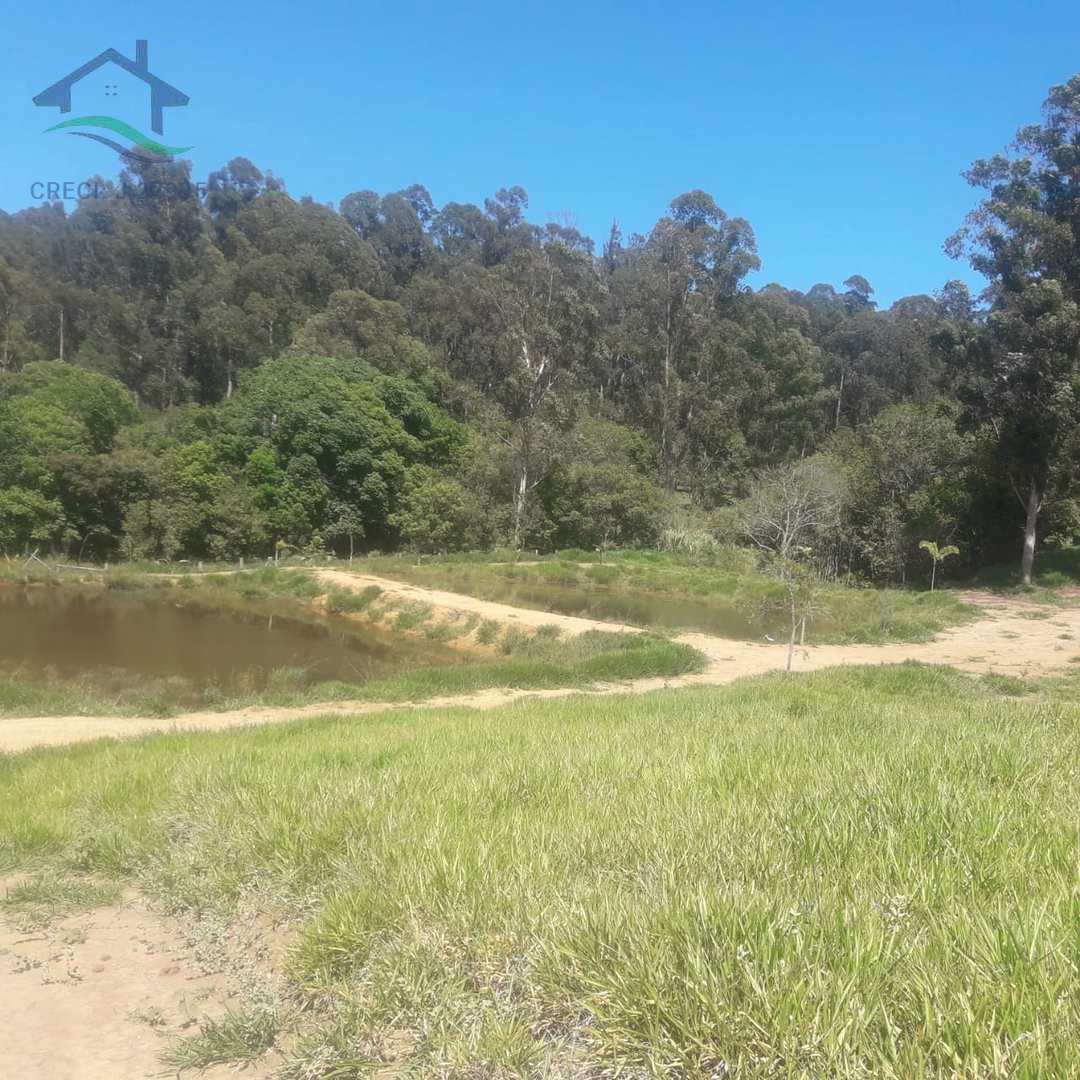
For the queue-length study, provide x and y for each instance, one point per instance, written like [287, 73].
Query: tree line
[219, 368]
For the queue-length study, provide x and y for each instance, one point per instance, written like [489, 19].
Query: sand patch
[97, 995]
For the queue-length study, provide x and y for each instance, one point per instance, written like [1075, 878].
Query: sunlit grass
[856, 873]
[41, 899]
[238, 1036]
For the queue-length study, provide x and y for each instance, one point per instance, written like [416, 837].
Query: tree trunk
[933, 573]
[791, 640]
[350, 547]
[839, 398]
[519, 506]
[667, 453]
[1027, 560]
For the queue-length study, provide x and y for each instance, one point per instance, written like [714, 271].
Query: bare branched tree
[791, 506]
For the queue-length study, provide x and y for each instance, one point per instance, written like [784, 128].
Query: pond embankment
[1013, 636]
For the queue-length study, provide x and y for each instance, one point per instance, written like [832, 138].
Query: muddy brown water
[70, 632]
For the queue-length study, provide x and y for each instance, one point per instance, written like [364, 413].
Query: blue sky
[838, 131]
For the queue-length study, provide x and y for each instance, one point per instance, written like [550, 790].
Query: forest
[219, 369]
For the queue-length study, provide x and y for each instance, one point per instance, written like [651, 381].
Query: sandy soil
[1014, 636]
[96, 996]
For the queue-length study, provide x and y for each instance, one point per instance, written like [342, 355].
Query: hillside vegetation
[243, 372]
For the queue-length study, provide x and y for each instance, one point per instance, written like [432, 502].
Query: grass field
[858, 873]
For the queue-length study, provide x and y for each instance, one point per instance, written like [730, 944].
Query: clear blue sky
[838, 131]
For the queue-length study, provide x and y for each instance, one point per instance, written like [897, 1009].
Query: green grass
[48, 896]
[545, 663]
[122, 693]
[238, 1036]
[348, 601]
[856, 873]
[411, 616]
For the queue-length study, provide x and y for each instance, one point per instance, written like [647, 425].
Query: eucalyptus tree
[539, 310]
[354, 324]
[1025, 238]
[396, 226]
[20, 297]
[672, 284]
[752, 398]
[234, 187]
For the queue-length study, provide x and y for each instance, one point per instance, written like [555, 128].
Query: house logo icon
[113, 83]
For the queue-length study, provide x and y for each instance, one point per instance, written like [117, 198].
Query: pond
[71, 632]
[713, 616]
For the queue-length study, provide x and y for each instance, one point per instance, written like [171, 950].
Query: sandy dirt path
[1014, 636]
[98, 995]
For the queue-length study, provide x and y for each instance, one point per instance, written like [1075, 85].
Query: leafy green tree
[100, 406]
[354, 324]
[669, 285]
[238, 185]
[520, 331]
[95, 491]
[325, 431]
[603, 493]
[345, 520]
[396, 226]
[28, 518]
[52, 413]
[1025, 370]
[435, 512]
[908, 472]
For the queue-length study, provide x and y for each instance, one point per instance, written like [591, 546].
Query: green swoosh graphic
[110, 122]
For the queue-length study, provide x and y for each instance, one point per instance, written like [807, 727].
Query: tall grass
[858, 873]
